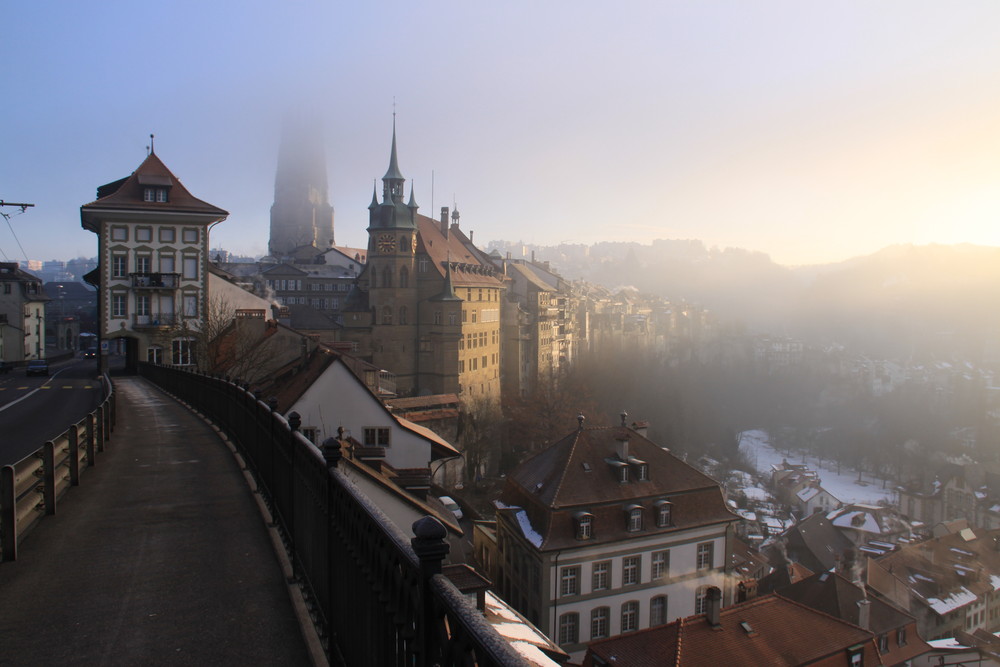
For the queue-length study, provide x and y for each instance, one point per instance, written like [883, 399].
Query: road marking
[13, 403]
[67, 386]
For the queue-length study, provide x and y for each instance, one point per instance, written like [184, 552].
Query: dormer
[633, 518]
[640, 469]
[155, 187]
[584, 525]
[664, 513]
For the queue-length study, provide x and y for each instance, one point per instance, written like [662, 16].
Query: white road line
[13, 403]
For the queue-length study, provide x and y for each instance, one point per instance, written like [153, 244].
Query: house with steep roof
[153, 263]
[770, 630]
[815, 543]
[896, 636]
[605, 533]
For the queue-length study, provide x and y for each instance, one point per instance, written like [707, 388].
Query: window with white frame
[143, 263]
[142, 305]
[584, 525]
[630, 616]
[630, 570]
[706, 551]
[664, 510]
[569, 628]
[599, 622]
[119, 305]
[119, 265]
[660, 565]
[569, 581]
[634, 519]
[601, 579]
[154, 354]
[701, 600]
[182, 351]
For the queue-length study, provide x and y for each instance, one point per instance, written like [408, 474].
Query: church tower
[391, 273]
[301, 214]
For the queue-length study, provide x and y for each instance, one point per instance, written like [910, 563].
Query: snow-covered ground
[844, 487]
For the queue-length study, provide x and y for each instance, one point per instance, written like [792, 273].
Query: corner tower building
[427, 305]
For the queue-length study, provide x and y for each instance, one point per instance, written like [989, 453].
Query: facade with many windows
[152, 272]
[606, 533]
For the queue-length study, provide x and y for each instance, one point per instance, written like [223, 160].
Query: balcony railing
[378, 597]
[155, 280]
[154, 321]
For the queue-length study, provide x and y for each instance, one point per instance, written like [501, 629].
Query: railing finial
[331, 452]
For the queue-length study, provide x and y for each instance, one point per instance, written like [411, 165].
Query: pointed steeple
[413, 202]
[448, 291]
[374, 204]
[392, 182]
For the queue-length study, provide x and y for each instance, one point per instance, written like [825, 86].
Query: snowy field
[844, 487]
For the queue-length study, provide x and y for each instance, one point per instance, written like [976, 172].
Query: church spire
[392, 182]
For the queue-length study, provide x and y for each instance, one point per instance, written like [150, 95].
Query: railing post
[49, 476]
[332, 455]
[89, 436]
[8, 514]
[106, 414]
[430, 546]
[99, 427]
[74, 455]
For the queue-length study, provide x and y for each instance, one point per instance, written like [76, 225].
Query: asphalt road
[36, 409]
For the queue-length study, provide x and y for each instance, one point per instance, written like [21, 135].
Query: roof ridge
[819, 611]
[680, 641]
[563, 469]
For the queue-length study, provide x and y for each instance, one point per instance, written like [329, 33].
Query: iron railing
[378, 597]
[30, 487]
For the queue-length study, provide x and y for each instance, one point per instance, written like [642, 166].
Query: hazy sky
[811, 131]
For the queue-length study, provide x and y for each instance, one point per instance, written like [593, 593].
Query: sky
[810, 131]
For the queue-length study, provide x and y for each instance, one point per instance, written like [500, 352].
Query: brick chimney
[713, 604]
[444, 221]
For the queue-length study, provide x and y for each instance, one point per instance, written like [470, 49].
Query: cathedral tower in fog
[301, 214]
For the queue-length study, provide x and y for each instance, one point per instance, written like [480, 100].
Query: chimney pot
[864, 613]
[713, 600]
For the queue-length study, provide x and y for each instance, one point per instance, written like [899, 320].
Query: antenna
[432, 192]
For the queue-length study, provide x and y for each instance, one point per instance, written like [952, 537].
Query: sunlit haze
[810, 131]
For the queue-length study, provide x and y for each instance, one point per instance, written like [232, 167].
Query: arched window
[658, 611]
[599, 622]
[663, 513]
[630, 616]
[386, 315]
[700, 600]
[402, 314]
[387, 277]
[584, 525]
[634, 514]
[569, 628]
[404, 277]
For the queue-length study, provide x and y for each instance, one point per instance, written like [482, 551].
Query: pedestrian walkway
[160, 556]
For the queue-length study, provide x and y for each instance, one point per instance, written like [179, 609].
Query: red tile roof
[770, 630]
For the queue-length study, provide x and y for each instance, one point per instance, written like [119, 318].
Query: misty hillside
[901, 301]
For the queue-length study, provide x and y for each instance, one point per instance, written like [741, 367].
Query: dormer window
[154, 194]
[664, 510]
[634, 518]
[584, 525]
[623, 474]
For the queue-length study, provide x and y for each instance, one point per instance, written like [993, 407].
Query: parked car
[5, 366]
[37, 367]
[452, 506]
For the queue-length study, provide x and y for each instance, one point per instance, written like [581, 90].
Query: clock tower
[391, 275]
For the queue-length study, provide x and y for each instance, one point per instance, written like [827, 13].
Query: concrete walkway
[160, 556]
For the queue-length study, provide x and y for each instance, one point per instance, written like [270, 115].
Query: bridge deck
[160, 556]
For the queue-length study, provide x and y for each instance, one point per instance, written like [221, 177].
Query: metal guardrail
[30, 488]
[378, 597]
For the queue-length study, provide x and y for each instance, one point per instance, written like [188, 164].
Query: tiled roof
[575, 474]
[467, 269]
[816, 543]
[152, 171]
[834, 594]
[770, 630]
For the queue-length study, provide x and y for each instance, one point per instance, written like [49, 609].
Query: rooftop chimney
[713, 604]
[444, 221]
[864, 613]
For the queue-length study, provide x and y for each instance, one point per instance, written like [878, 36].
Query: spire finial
[152, 149]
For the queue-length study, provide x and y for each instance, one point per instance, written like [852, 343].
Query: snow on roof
[808, 493]
[948, 642]
[847, 520]
[956, 600]
[995, 581]
[756, 493]
[529, 533]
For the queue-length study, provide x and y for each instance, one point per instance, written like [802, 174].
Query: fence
[30, 488]
[378, 598]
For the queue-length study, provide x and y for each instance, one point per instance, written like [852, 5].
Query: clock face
[386, 243]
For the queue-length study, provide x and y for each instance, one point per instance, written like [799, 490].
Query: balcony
[154, 321]
[155, 280]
